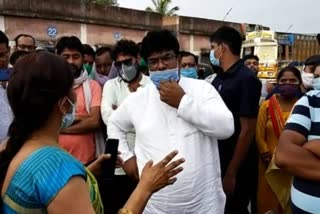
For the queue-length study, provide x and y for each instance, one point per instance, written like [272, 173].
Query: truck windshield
[267, 53]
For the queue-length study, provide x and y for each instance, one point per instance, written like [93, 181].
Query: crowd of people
[190, 141]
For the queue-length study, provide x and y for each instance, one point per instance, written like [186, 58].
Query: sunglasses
[127, 62]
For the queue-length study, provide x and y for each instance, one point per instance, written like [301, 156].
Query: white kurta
[192, 129]
[114, 93]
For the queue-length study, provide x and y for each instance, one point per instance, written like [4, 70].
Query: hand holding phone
[109, 165]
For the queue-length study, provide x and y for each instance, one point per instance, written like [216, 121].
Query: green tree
[103, 2]
[162, 7]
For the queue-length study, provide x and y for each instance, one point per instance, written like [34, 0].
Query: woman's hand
[96, 167]
[156, 177]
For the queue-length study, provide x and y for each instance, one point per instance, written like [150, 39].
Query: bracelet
[125, 211]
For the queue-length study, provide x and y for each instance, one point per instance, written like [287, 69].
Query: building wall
[97, 34]
[184, 42]
[39, 27]
[201, 43]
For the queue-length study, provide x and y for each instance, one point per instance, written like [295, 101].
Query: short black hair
[24, 35]
[186, 54]
[126, 47]
[230, 37]
[16, 55]
[88, 50]
[292, 69]
[313, 60]
[316, 65]
[158, 41]
[71, 42]
[4, 39]
[250, 56]
[103, 50]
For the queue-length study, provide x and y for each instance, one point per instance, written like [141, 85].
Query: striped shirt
[305, 119]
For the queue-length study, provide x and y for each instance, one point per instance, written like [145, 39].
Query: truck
[276, 50]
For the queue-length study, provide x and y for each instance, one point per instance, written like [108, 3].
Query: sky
[298, 16]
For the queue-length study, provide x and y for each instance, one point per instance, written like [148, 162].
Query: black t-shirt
[241, 90]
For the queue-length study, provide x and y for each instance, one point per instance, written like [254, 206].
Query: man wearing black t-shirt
[240, 89]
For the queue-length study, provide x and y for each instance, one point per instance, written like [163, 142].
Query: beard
[75, 70]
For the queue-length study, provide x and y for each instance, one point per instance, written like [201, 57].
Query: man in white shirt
[252, 62]
[6, 116]
[125, 57]
[175, 113]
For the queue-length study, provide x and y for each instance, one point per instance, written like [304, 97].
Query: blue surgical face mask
[213, 59]
[189, 72]
[68, 119]
[316, 83]
[166, 75]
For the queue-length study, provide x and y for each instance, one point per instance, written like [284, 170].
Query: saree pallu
[278, 180]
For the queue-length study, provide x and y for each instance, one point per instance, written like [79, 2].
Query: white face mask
[316, 84]
[307, 79]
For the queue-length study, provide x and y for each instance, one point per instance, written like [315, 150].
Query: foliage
[162, 7]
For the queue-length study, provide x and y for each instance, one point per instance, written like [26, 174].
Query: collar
[81, 79]
[232, 70]
[144, 80]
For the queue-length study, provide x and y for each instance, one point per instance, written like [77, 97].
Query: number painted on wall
[52, 31]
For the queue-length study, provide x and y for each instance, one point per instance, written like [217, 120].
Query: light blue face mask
[316, 83]
[159, 76]
[189, 72]
[68, 119]
[213, 59]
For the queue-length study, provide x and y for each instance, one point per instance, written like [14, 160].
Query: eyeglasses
[153, 63]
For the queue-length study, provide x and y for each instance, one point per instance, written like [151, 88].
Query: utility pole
[289, 28]
[227, 14]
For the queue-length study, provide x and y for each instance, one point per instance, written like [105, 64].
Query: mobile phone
[109, 165]
[201, 72]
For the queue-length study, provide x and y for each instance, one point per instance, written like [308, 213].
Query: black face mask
[75, 71]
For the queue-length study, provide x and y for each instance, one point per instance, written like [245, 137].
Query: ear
[223, 47]
[62, 105]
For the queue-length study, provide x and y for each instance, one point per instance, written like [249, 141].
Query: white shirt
[192, 129]
[264, 91]
[5, 114]
[114, 93]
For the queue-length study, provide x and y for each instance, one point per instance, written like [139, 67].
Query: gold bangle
[125, 211]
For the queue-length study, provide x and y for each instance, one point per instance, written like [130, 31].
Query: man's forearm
[131, 168]
[82, 127]
[298, 161]
[241, 151]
